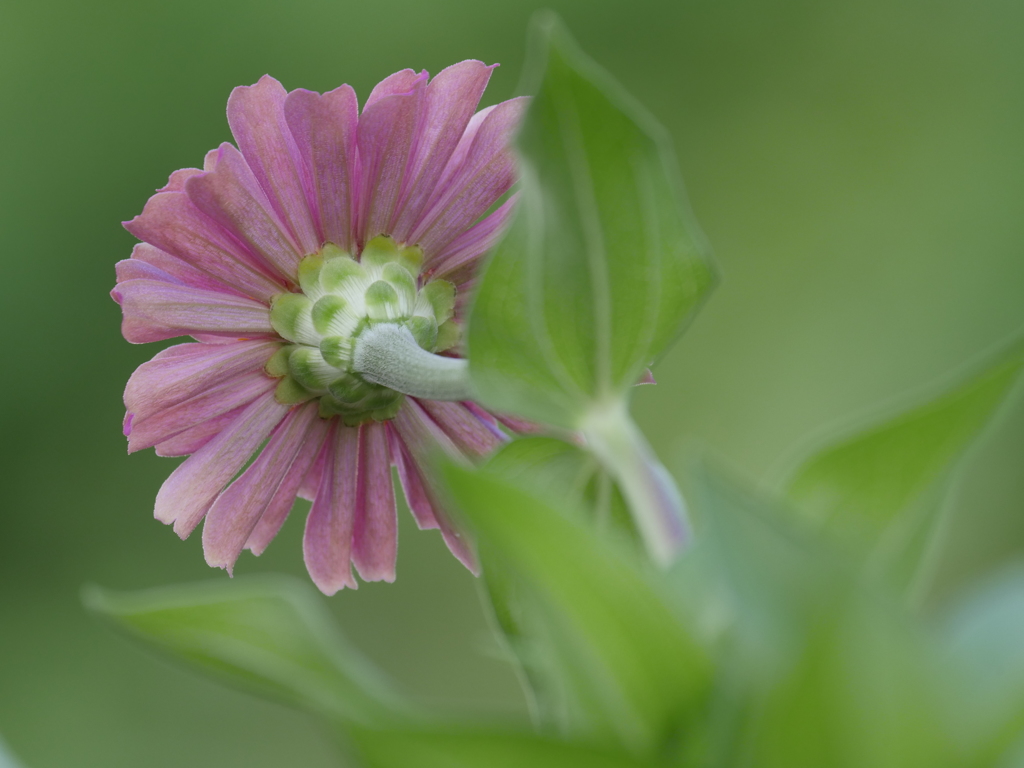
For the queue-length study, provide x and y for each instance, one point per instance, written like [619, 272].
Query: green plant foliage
[884, 485]
[983, 638]
[822, 667]
[602, 265]
[480, 749]
[626, 667]
[272, 636]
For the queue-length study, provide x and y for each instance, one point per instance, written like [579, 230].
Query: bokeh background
[857, 167]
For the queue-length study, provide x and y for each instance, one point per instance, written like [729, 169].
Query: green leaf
[602, 265]
[983, 637]
[863, 693]
[269, 635]
[884, 485]
[629, 668]
[478, 749]
[820, 666]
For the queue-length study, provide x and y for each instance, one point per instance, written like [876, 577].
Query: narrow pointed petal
[375, 537]
[325, 130]
[461, 257]
[400, 82]
[172, 421]
[154, 310]
[176, 181]
[417, 434]
[172, 223]
[191, 440]
[150, 263]
[462, 426]
[474, 182]
[185, 370]
[190, 490]
[327, 542]
[231, 196]
[239, 508]
[256, 114]
[449, 102]
[278, 508]
[387, 130]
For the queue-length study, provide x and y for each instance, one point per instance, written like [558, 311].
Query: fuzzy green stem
[650, 491]
[387, 354]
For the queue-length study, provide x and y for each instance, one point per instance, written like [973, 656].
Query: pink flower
[258, 257]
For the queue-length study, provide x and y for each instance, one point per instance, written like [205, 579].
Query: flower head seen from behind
[325, 228]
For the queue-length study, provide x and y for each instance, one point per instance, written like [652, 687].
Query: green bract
[341, 298]
[601, 267]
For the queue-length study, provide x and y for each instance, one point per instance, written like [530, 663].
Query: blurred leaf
[753, 574]
[983, 636]
[819, 667]
[7, 760]
[469, 749]
[885, 484]
[270, 635]
[602, 265]
[630, 670]
[864, 693]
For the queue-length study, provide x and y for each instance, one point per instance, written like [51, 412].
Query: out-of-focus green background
[858, 168]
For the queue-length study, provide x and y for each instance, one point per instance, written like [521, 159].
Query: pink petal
[325, 129]
[464, 428]
[190, 490]
[150, 263]
[173, 224]
[401, 82]
[387, 130]
[375, 536]
[185, 370]
[284, 498]
[449, 102]
[327, 542]
[239, 508]
[311, 482]
[459, 259]
[647, 378]
[155, 310]
[256, 114]
[231, 196]
[177, 179]
[191, 440]
[474, 180]
[415, 436]
[162, 426]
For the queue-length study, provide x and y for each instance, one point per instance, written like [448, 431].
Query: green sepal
[389, 411]
[449, 334]
[325, 310]
[411, 257]
[331, 251]
[424, 330]
[402, 281]
[286, 311]
[277, 365]
[441, 295]
[379, 251]
[337, 350]
[289, 391]
[336, 269]
[306, 366]
[381, 301]
[349, 390]
[309, 273]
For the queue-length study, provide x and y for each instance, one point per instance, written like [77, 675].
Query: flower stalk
[389, 355]
[654, 500]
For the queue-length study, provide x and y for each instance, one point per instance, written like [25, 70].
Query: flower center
[341, 298]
